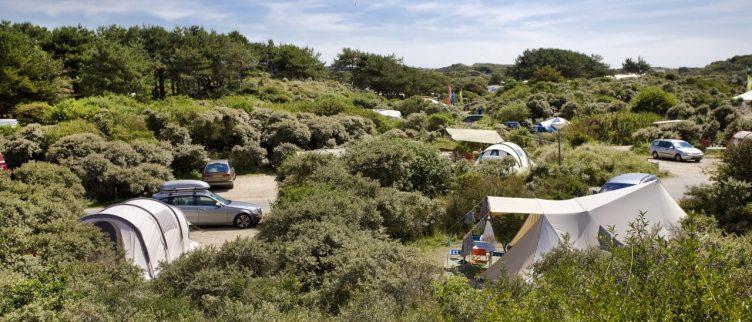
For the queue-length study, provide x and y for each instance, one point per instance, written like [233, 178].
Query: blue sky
[439, 33]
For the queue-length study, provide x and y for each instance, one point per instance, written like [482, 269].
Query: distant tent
[148, 231]
[389, 113]
[549, 124]
[504, 149]
[582, 219]
[741, 135]
[475, 136]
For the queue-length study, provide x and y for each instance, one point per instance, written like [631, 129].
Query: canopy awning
[475, 136]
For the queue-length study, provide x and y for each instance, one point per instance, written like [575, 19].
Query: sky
[439, 33]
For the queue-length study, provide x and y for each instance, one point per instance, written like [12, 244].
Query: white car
[675, 149]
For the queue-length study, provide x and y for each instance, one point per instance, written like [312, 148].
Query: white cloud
[438, 33]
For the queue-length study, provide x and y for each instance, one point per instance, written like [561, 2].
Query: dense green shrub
[175, 134]
[729, 197]
[187, 158]
[282, 151]
[407, 215]
[222, 128]
[26, 144]
[652, 99]
[520, 136]
[512, 112]
[617, 128]
[31, 112]
[439, 121]
[403, 164]
[248, 157]
[325, 131]
[594, 164]
[286, 131]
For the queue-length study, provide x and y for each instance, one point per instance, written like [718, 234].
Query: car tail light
[227, 175]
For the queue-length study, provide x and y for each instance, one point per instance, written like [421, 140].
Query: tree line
[143, 61]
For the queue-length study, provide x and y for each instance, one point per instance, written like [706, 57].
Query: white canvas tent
[148, 231]
[507, 149]
[747, 97]
[475, 136]
[582, 219]
[740, 136]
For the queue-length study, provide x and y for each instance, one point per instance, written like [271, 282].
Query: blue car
[512, 124]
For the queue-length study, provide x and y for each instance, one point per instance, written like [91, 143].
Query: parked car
[219, 173]
[472, 118]
[3, 165]
[512, 124]
[626, 180]
[203, 207]
[675, 149]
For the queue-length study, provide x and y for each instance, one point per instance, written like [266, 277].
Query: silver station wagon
[675, 149]
[203, 207]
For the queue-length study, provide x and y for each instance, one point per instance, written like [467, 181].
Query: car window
[181, 200]
[204, 201]
[611, 186]
[494, 153]
[665, 144]
[217, 168]
[682, 144]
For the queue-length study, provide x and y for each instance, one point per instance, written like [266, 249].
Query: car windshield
[611, 186]
[682, 144]
[218, 198]
[217, 168]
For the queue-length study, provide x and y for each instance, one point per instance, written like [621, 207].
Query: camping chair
[479, 255]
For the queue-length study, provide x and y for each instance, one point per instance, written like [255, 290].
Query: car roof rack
[184, 185]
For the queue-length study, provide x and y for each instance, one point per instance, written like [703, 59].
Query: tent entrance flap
[530, 221]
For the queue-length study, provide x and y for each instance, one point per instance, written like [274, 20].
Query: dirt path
[685, 174]
[260, 189]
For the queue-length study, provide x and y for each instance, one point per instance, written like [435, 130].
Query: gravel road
[685, 174]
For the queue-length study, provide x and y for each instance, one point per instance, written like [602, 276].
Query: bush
[248, 157]
[439, 121]
[325, 131]
[357, 127]
[403, 164]
[539, 108]
[286, 131]
[222, 128]
[329, 105]
[407, 215]
[520, 136]
[31, 112]
[282, 151]
[75, 146]
[188, 158]
[153, 152]
[652, 99]
[617, 128]
[593, 164]
[512, 112]
[175, 134]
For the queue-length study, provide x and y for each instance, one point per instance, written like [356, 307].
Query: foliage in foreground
[699, 274]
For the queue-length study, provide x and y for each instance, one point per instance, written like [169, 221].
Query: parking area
[260, 189]
[685, 174]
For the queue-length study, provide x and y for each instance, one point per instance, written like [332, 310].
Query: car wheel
[232, 185]
[243, 221]
[677, 157]
[698, 160]
[655, 155]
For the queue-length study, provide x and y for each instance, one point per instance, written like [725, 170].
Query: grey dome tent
[148, 231]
